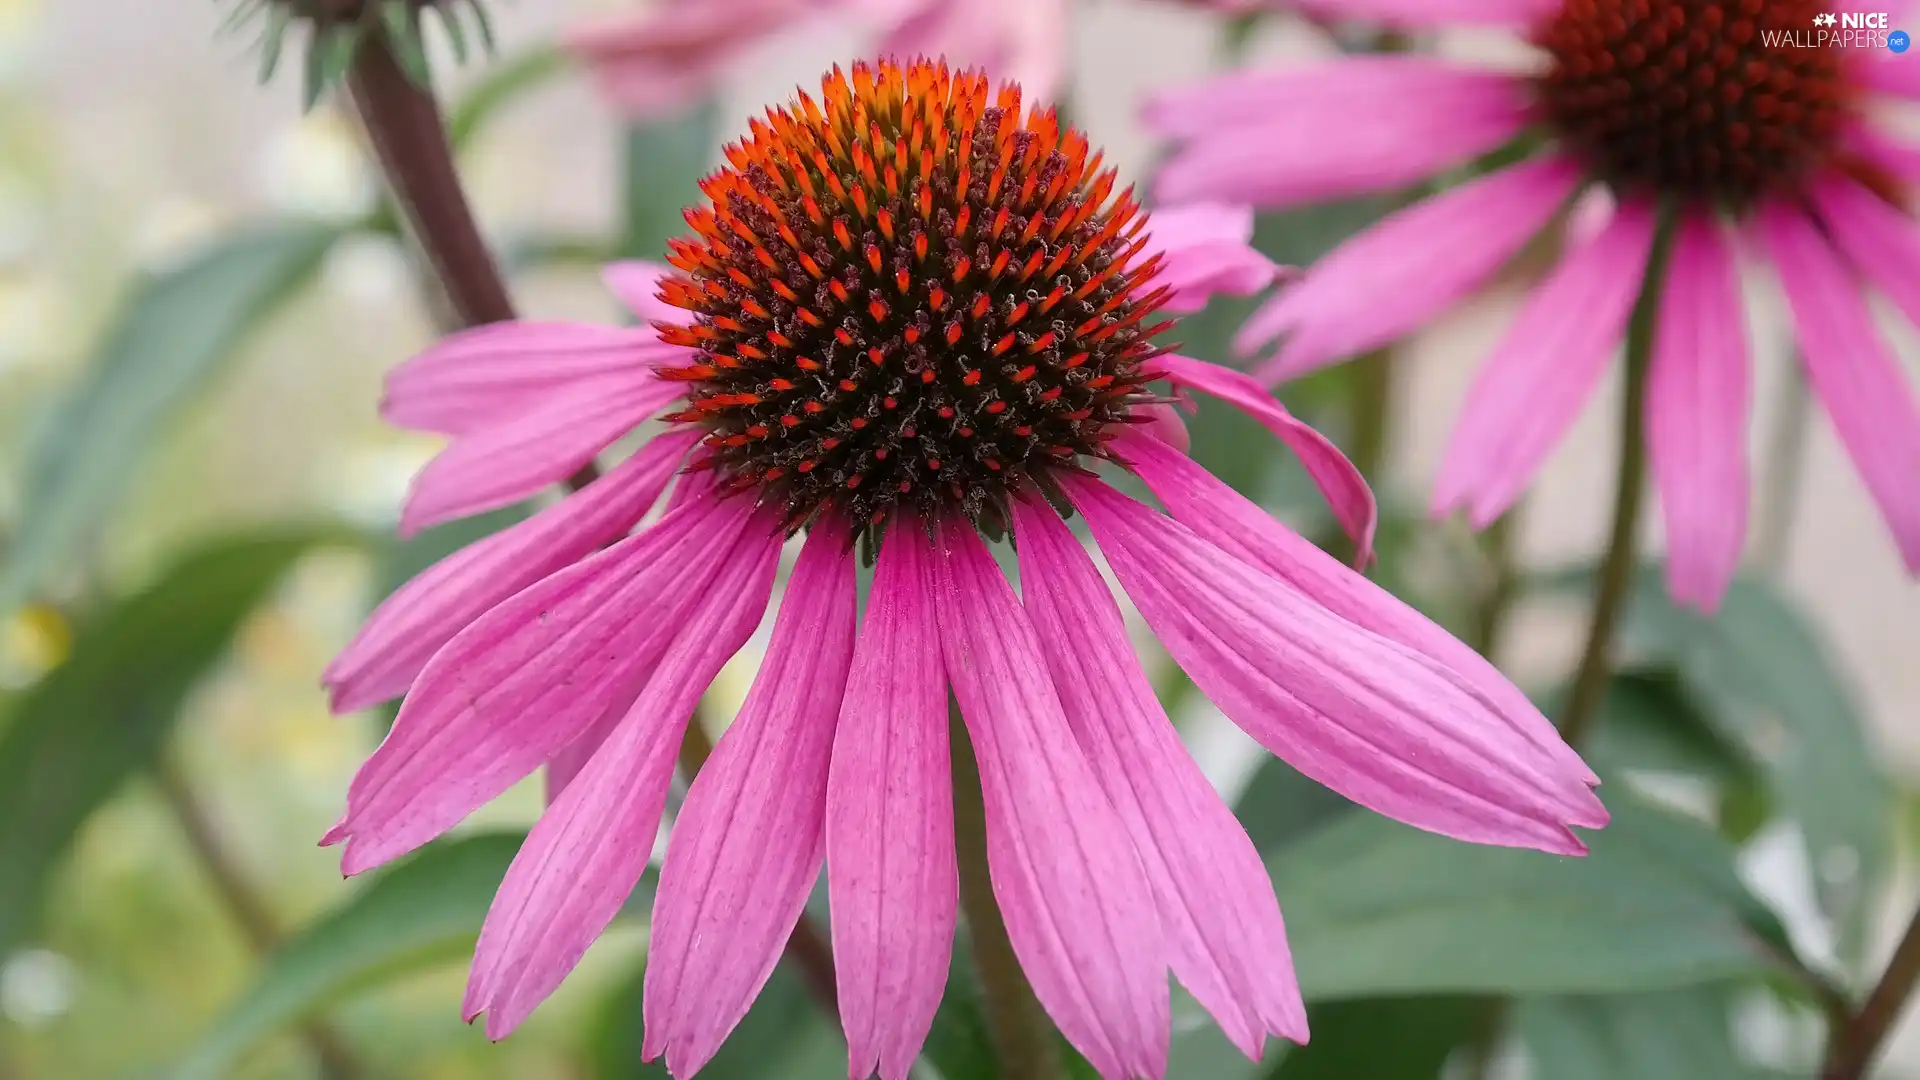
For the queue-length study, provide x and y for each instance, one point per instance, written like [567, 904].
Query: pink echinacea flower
[1736, 115]
[910, 312]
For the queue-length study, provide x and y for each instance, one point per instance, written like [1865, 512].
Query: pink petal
[1207, 248]
[500, 464]
[482, 377]
[651, 65]
[1373, 720]
[1225, 934]
[411, 625]
[1018, 41]
[1078, 908]
[748, 844]
[1699, 395]
[1853, 372]
[1881, 241]
[492, 705]
[1871, 145]
[1427, 258]
[585, 854]
[1892, 73]
[1422, 14]
[1341, 128]
[892, 883]
[1545, 370]
[637, 285]
[1217, 513]
[1340, 482]
[1165, 423]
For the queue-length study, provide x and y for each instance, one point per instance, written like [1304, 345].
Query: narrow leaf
[101, 717]
[171, 338]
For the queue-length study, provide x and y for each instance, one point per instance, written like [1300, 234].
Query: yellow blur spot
[37, 639]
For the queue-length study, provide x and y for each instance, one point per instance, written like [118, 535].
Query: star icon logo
[1824, 19]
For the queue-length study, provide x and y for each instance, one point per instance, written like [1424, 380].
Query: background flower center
[1721, 100]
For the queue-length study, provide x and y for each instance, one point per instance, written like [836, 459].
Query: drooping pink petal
[1546, 368]
[481, 377]
[1213, 510]
[1406, 270]
[1165, 423]
[1852, 371]
[528, 677]
[1422, 14]
[1224, 932]
[502, 463]
[1341, 128]
[636, 283]
[1207, 249]
[1368, 717]
[653, 64]
[1020, 41]
[1876, 148]
[585, 854]
[1078, 908]
[748, 844]
[892, 882]
[1881, 241]
[411, 625]
[1699, 396]
[1340, 482]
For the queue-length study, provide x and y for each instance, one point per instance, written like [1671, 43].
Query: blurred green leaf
[1377, 908]
[1279, 805]
[169, 341]
[500, 86]
[1676, 1035]
[103, 715]
[782, 1027]
[663, 164]
[1387, 1039]
[1766, 683]
[959, 1045]
[424, 911]
[1648, 721]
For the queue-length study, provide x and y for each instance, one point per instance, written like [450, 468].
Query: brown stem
[807, 948]
[1852, 1048]
[245, 904]
[409, 137]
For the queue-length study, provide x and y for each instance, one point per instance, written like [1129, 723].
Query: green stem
[1371, 409]
[245, 904]
[1021, 1032]
[1622, 558]
[1504, 588]
[1852, 1047]
[1783, 474]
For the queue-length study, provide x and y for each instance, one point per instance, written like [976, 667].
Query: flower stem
[243, 902]
[1022, 1034]
[1852, 1048]
[807, 948]
[1784, 471]
[1617, 570]
[1490, 618]
[1371, 405]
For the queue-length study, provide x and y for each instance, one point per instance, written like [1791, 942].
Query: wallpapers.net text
[1841, 30]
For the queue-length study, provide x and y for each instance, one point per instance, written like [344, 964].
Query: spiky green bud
[335, 30]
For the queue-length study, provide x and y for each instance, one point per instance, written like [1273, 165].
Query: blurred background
[164, 838]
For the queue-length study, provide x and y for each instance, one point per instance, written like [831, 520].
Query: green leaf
[1649, 721]
[423, 911]
[783, 1026]
[1376, 908]
[1388, 1039]
[171, 338]
[103, 715]
[663, 164]
[1675, 1035]
[1767, 684]
[500, 86]
[1279, 805]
